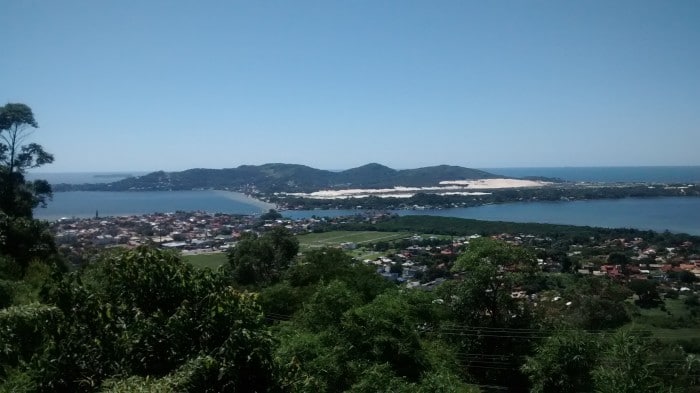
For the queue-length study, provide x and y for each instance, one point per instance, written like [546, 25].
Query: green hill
[278, 177]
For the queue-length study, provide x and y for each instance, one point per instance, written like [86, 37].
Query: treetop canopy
[15, 115]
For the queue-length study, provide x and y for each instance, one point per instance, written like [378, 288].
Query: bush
[690, 345]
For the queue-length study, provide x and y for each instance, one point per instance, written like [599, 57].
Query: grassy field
[674, 323]
[335, 238]
[311, 241]
[206, 261]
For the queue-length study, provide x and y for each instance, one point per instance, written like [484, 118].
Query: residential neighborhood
[418, 260]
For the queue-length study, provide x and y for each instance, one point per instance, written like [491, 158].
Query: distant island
[375, 186]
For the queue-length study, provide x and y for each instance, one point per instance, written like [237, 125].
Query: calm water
[86, 203]
[662, 174]
[659, 214]
[673, 214]
[83, 177]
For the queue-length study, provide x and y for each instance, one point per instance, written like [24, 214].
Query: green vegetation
[336, 238]
[461, 226]
[210, 261]
[261, 260]
[274, 320]
[145, 320]
[553, 193]
[17, 196]
[27, 248]
[270, 178]
[134, 314]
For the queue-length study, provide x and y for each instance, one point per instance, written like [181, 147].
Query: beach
[448, 187]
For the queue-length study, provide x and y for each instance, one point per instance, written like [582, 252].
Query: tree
[628, 364]
[481, 304]
[492, 270]
[618, 258]
[271, 214]
[595, 313]
[485, 252]
[134, 317]
[596, 303]
[687, 277]
[563, 362]
[23, 240]
[335, 344]
[647, 292]
[262, 260]
[326, 307]
[320, 264]
[624, 361]
[17, 196]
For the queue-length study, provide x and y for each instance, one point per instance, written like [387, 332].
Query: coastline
[446, 187]
[247, 199]
[85, 204]
[677, 214]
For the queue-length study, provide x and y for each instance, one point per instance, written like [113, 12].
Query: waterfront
[82, 204]
[680, 215]
[659, 214]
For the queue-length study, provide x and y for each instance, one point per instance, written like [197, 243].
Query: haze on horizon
[160, 85]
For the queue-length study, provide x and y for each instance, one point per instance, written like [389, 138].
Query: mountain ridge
[280, 177]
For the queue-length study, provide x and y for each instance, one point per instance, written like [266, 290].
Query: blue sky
[148, 85]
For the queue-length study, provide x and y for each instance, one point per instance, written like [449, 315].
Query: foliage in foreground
[140, 314]
[145, 321]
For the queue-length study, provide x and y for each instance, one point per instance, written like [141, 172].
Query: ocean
[669, 174]
[647, 174]
[659, 214]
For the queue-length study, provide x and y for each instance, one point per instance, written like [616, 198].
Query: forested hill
[287, 178]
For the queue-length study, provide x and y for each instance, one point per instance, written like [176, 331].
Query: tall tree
[261, 260]
[490, 325]
[17, 196]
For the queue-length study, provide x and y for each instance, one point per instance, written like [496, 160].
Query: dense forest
[274, 319]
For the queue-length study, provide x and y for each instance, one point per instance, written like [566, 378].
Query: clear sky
[147, 85]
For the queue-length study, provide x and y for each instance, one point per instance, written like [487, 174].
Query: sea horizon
[641, 173]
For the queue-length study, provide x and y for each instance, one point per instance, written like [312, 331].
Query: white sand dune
[495, 183]
[448, 187]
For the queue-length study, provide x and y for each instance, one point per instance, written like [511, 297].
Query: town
[419, 260]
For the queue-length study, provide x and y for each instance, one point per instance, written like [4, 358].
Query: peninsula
[276, 177]
[375, 186]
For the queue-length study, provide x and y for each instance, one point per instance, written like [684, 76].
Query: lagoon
[658, 214]
[680, 215]
[83, 204]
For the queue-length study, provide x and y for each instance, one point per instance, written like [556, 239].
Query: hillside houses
[187, 231]
[416, 260]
